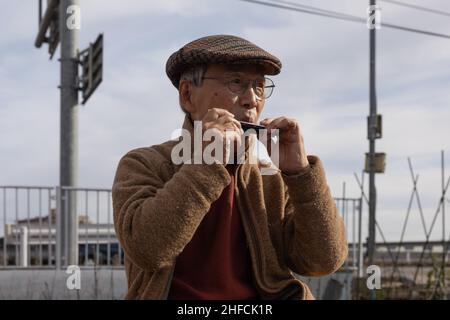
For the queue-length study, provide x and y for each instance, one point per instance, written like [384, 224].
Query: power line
[325, 12]
[412, 6]
[399, 3]
[310, 10]
[428, 33]
[340, 16]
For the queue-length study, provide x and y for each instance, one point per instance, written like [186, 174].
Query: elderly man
[224, 230]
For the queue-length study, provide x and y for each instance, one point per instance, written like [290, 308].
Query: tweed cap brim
[220, 49]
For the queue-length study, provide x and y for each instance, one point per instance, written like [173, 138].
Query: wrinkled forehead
[244, 70]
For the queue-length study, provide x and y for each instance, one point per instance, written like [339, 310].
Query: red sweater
[216, 263]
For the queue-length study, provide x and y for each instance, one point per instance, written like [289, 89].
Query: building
[32, 242]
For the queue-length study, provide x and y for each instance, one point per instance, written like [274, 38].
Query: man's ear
[185, 96]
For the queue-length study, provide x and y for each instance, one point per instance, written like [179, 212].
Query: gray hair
[193, 75]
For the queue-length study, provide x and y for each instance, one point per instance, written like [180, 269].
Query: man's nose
[248, 98]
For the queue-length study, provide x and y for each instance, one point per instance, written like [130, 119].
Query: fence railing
[31, 227]
[351, 212]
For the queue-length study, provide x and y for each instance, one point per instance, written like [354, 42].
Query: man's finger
[274, 123]
[236, 125]
[226, 119]
[287, 124]
[229, 125]
[266, 122]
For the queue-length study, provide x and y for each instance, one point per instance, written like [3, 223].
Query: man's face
[215, 93]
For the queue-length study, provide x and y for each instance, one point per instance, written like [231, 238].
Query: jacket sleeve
[313, 232]
[154, 220]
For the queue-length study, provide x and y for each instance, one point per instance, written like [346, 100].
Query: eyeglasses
[238, 85]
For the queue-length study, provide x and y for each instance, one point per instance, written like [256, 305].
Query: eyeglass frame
[253, 82]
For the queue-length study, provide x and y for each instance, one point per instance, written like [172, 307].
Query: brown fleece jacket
[291, 222]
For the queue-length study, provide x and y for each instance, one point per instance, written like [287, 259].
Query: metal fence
[30, 228]
[351, 211]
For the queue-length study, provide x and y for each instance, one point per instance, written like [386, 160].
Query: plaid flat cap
[219, 49]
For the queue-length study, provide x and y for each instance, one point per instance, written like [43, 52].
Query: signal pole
[60, 24]
[68, 131]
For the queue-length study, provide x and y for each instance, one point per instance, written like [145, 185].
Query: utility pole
[371, 133]
[61, 24]
[69, 130]
[375, 162]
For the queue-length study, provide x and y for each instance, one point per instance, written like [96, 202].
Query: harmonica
[248, 125]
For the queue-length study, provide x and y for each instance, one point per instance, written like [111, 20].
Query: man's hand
[292, 157]
[222, 123]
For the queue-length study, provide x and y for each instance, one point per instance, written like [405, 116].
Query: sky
[324, 84]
